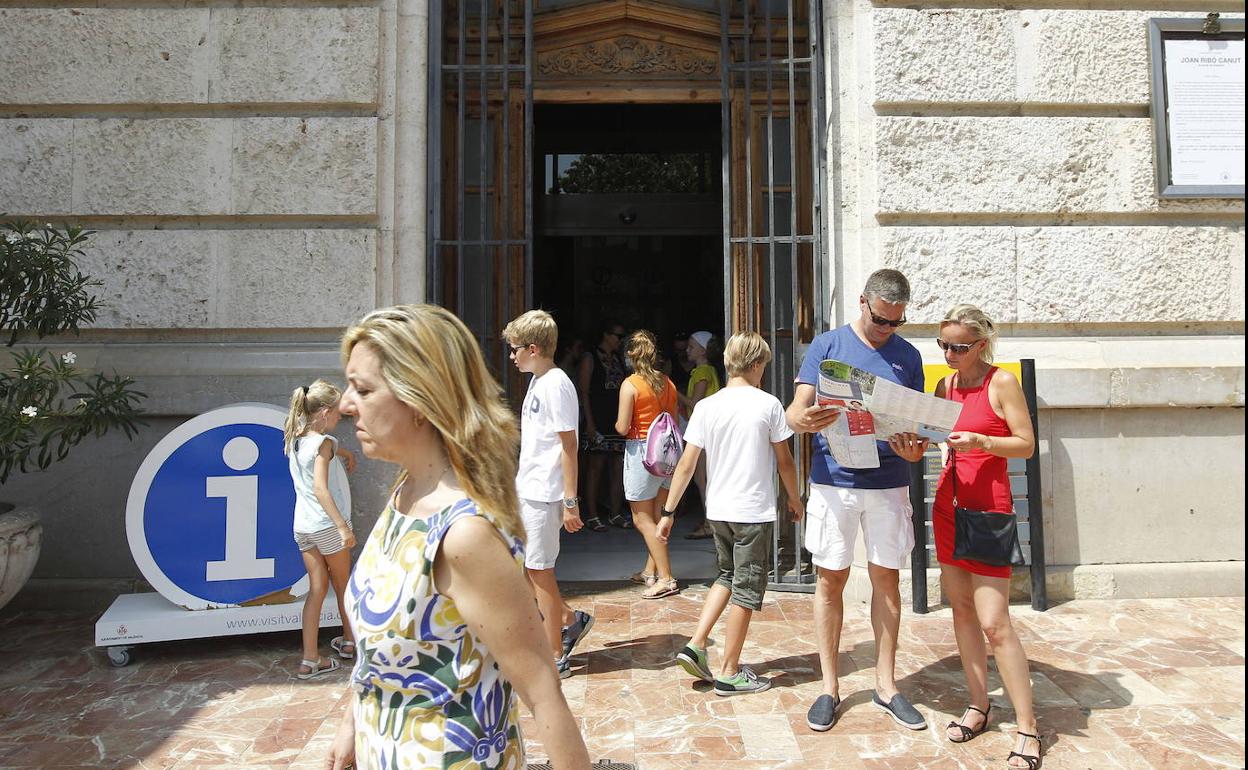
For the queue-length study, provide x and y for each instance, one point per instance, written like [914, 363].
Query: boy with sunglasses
[546, 475]
[877, 500]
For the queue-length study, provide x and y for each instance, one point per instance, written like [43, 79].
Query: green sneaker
[694, 661]
[743, 682]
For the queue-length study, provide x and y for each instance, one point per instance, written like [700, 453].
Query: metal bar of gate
[433, 171]
[1035, 505]
[918, 519]
[528, 153]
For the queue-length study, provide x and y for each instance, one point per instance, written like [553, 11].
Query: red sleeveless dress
[983, 483]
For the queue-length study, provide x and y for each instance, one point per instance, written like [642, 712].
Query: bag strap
[953, 471]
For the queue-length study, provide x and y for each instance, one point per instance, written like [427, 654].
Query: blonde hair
[978, 322]
[744, 351]
[432, 363]
[643, 351]
[306, 401]
[536, 327]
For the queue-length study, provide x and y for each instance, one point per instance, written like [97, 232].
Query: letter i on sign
[241, 495]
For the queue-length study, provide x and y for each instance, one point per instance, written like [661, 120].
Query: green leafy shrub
[47, 405]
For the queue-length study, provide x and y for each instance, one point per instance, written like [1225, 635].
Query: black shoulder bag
[983, 536]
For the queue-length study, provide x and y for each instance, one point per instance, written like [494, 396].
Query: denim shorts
[640, 484]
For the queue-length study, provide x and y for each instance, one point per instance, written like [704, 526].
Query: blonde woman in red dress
[994, 426]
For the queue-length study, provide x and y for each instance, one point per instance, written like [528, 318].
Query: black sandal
[968, 733]
[619, 520]
[1032, 760]
[595, 524]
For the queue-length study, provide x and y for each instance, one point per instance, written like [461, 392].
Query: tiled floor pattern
[1119, 684]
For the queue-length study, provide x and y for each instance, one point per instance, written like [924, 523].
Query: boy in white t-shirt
[546, 478]
[745, 436]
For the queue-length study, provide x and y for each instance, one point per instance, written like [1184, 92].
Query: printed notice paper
[874, 409]
[1205, 106]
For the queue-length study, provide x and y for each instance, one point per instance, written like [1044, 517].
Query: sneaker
[901, 711]
[695, 663]
[563, 667]
[822, 715]
[575, 631]
[743, 682]
[660, 589]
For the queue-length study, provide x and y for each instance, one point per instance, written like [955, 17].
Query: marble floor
[1118, 684]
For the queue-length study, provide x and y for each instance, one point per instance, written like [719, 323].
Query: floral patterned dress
[428, 693]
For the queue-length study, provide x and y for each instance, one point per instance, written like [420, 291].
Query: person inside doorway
[877, 500]
[704, 381]
[599, 378]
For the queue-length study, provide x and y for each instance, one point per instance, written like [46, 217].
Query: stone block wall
[238, 164]
[231, 159]
[1003, 156]
[1009, 161]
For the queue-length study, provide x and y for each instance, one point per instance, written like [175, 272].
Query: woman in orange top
[643, 397]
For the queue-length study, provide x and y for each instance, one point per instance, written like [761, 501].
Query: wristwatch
[571, 502]
[664, 512]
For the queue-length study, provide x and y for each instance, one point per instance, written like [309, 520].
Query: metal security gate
[480, 178]
[774, 173]
[483, 62]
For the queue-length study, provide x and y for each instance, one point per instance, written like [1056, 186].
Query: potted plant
[47, 404]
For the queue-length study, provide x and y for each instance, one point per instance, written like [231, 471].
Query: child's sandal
[344, 647]
[1032, 760]
[315, 668]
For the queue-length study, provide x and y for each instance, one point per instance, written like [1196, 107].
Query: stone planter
[20, 537]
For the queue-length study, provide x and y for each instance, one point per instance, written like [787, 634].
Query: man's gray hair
[888, 285]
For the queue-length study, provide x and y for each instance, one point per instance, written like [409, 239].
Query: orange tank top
[648, 405]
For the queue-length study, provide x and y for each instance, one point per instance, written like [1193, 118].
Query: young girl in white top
[322, 520]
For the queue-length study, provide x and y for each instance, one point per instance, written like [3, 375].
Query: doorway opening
[628, 225]
[628, 218]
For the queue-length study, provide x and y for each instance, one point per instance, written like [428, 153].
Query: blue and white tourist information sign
[209, 519]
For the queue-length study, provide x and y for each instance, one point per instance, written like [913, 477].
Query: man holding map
[850, 494]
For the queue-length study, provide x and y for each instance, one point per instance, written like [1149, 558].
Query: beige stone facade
[257, 178]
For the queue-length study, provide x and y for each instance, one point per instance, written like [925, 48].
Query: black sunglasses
[961, 348]
[878, 321]
[518, 348]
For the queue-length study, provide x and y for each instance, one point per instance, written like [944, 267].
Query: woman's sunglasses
[961, 348]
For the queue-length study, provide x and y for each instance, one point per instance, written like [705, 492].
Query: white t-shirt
[309, 515]
[550, 408]
[736, 428]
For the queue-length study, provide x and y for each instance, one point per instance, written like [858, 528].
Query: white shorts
[542, 522]
[833, 515]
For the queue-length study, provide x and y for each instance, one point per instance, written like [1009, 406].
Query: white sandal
[316, 669]
[339, 644]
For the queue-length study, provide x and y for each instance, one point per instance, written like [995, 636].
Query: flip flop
[316, 668]
[344, 647]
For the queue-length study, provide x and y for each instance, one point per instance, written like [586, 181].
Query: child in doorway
[744, 434]
[322, 525]
[547, 474]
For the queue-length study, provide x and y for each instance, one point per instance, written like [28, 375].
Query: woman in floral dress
[446, 625]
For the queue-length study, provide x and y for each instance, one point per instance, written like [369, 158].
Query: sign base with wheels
[210, 520]
[143, 618]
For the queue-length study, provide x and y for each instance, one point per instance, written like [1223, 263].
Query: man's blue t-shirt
[898, 361]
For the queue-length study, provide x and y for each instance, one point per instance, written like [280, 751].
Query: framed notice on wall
[1198, 106]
